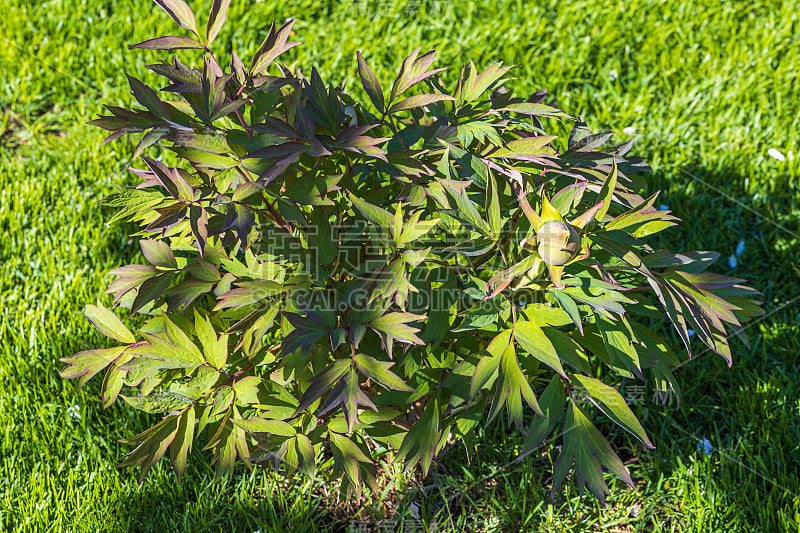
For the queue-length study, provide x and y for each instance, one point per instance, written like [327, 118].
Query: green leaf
[619, 344]
[182, 443]
[476, 85]
[613, 405]
[421, 441]
[86, 364]
[568, 350]
[546, 315]
[503, 279]
[527, 147]
[203, 271]
[569, 306]
[376, 215]
[248, 293]
[347, 455]
[533, 340]
[306, 333]
[552, 401]
[108, 324]
[588, 449]
[395, 325]
[215, 349]
[158, 253]
[485, 371]
[606, 194]
[157, 403]
[493, 207]
[205, 159]
[379, 371]
[113, 382]
[514, 388]
[247, 390]
[305, 454]
[172, 347]
[467, 209]
[150, 290]
[262, 425]
[322, 383]
[151, 445]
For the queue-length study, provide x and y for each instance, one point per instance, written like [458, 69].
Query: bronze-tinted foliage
[328, 278]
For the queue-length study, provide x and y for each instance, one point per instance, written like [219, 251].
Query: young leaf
[371, 84]
[419, 100]
[108, 324]
[168, 42]
[180, 12]
[216, 19]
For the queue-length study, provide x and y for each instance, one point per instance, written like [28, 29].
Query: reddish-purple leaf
[216, 18]
[168, 42]
[419, 100]
[129, 277]
[148, 98]
[274, 45]
[370, 83]
[537, 110]
[158, 253]
[180, 12]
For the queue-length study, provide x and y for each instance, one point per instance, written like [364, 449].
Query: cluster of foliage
[329, 282]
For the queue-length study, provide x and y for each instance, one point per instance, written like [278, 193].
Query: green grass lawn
[709, 89]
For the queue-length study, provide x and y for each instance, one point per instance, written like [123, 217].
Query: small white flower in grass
[587, 39]
[613, 74]
[773, 152]
[704, 445]
[74, 412]
[740, 247]
[630, 130]
[413, 510]
[733, 262]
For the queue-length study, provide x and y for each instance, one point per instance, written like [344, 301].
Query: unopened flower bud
[558, 243]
